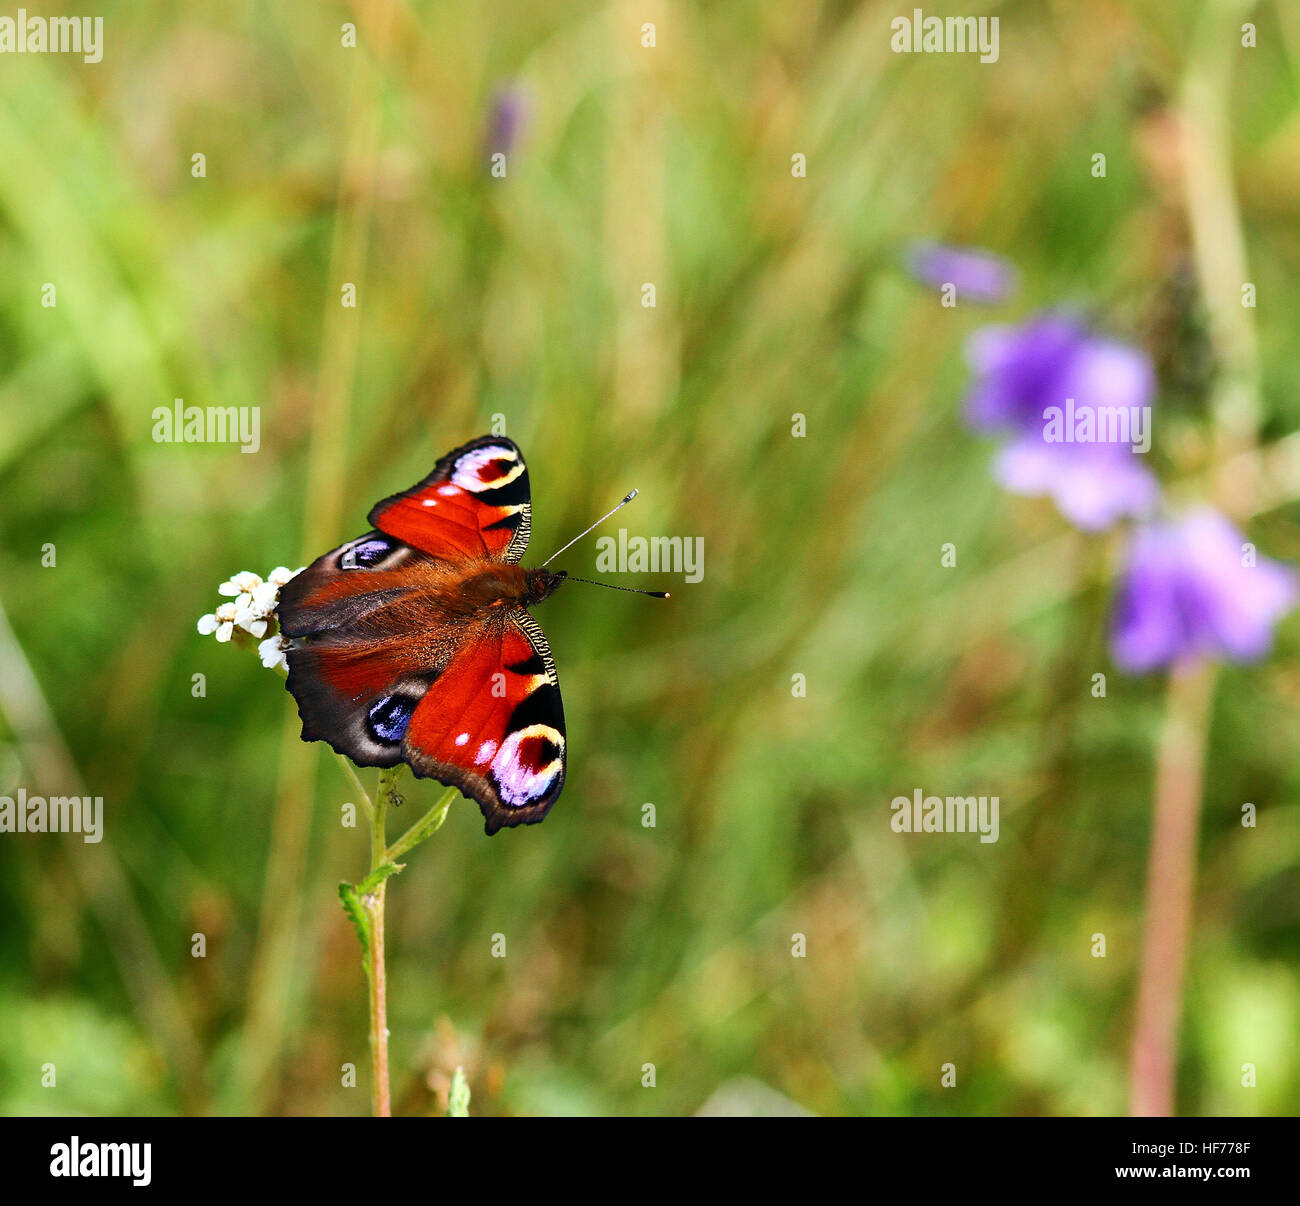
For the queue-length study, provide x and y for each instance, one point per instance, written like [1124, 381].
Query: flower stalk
[1171, 874]
[1219, 246]
[364, 902]
[376, 971]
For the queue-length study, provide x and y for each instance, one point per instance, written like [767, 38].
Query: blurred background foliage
[522, 297]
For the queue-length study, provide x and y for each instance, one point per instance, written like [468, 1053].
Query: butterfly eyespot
[364, 554]
[389, 717]
[487, 469]
[528, 762]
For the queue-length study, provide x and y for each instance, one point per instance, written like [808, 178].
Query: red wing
[475, 503]
[493, 724]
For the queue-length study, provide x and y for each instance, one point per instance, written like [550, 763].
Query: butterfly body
[413, 643]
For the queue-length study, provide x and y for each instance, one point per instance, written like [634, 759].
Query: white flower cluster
[252, 609]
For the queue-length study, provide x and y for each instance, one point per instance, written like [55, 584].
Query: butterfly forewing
[475, 503]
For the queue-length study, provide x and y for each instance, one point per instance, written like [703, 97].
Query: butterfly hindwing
[475, 503]
[494, 724]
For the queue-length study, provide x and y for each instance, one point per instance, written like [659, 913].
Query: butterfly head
[542, 583]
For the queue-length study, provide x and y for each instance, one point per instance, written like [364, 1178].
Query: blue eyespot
[365, 553]
[389, 717]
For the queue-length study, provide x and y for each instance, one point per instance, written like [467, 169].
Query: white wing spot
[485, 752]
[463, 739]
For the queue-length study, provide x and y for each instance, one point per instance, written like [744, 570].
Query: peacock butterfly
[413, 643]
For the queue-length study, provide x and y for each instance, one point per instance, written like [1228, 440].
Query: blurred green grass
[521, 297]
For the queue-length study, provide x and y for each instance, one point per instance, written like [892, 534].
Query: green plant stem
[376, 972]
[378, 982]
[364, 905]
[425, 827]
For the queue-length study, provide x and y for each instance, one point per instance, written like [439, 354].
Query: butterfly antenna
[631, 494]
[632, 590]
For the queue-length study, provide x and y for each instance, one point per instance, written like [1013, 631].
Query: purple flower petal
[1092, 485]
[508, 117]
[978, 275]
[1185, 593]
[1107, 373]
[1021, 371]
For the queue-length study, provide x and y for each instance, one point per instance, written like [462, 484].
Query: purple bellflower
[1075, 408]
[1192, 588]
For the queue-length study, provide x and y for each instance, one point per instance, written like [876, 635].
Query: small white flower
[273, 651]
[282, 573]
[250, 621]
[256, 608]
[222, 622]
[243, 583]
[264, 598]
